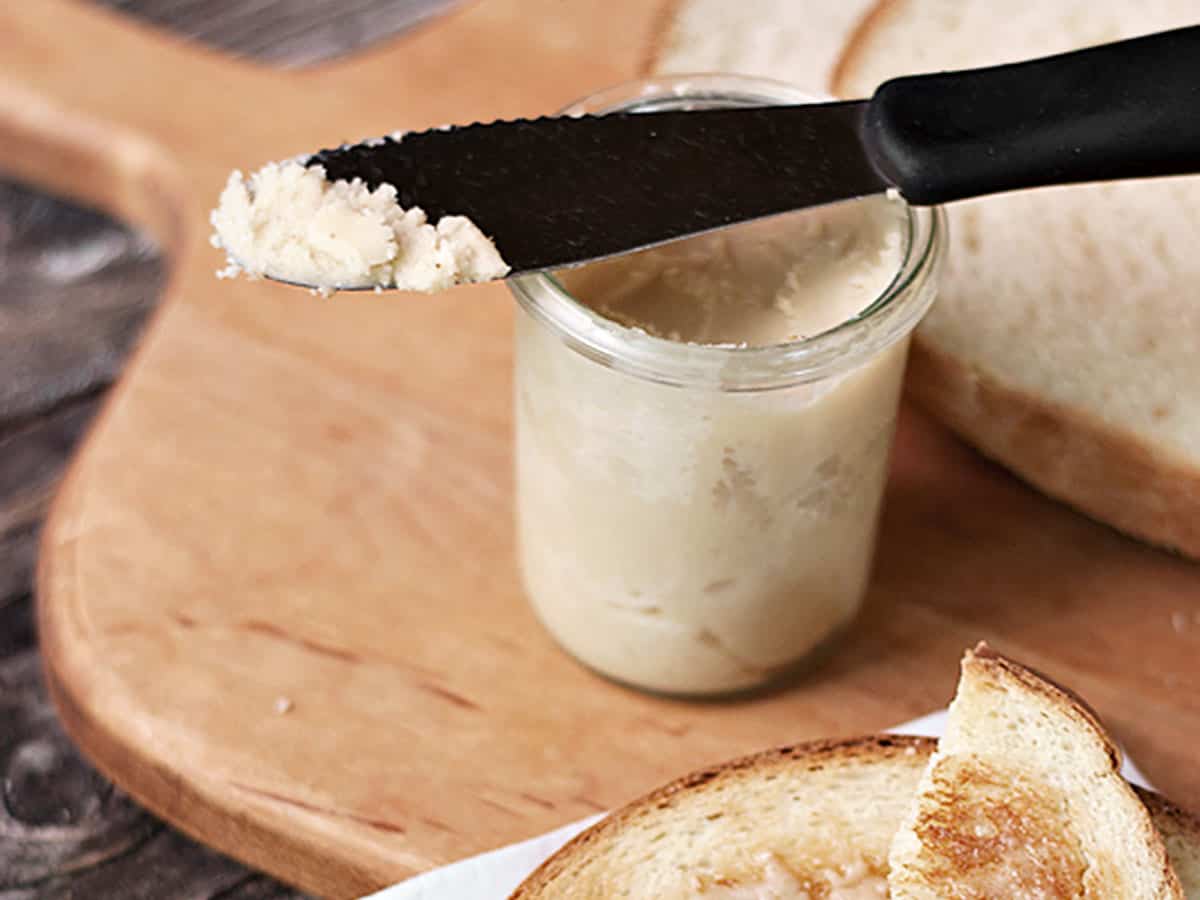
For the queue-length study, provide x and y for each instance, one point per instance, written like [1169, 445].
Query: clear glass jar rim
[890, 316]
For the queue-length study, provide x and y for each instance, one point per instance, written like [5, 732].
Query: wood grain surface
[308, 501]
[75, 287]
[138, 169]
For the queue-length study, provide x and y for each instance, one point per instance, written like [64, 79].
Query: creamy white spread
[693, 540]
[777, 882]
[772, 281]
[288, 221]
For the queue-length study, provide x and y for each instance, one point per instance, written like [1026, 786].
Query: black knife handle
[1124, 110]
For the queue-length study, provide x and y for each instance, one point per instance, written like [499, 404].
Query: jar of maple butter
[703, 429]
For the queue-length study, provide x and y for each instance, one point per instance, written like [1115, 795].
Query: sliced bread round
[1065, 342]
[804, 818]
[803, 821]
[1024, 798]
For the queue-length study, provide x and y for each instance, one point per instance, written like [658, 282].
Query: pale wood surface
[310, 500]
[75, 287]
[73, 290]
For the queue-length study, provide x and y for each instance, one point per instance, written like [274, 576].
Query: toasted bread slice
[1181, 835]
[1024, 798]
[794, 822]
[813, 821]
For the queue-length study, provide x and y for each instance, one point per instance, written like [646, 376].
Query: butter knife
[554, 192]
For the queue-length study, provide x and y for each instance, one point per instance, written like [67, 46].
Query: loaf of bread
[1065, 342]
[795, 42]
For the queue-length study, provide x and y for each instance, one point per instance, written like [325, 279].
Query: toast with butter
[814, 820]
[819, 821]
[810, 822]
[1024, 798]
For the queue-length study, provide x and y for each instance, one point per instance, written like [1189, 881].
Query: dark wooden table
[74, 290]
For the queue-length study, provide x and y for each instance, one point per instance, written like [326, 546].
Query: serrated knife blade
[554, 192]
[557, 191]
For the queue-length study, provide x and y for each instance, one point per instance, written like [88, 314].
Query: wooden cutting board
[277, 594]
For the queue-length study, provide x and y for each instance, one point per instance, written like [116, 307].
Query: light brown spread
[778, 882]
[992, 834]
[701, 540]
[773, 281]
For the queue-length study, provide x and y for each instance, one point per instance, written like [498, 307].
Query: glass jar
[696, 519]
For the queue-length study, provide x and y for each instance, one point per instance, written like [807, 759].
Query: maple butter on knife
[288, 222]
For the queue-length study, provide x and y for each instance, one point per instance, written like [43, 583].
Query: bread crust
[1165, 813]
[1105, 472]
[1066, 453]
